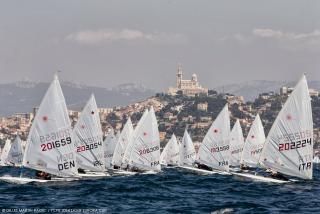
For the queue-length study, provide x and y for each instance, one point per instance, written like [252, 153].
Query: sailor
[135, 169]
[81, 171]
[244, 167]
[43, 175]
[116, 167]
[277, 175]
[203, 166]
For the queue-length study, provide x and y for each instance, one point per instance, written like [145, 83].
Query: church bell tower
[179, 76]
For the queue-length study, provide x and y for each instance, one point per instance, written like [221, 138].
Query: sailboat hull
[261, 178]
[123, 172]
[93, 175]
[23, 180]
[202, 171]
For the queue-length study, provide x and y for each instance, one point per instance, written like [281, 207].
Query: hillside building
[187, 87]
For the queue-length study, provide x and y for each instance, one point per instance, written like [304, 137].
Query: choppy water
[170, 191]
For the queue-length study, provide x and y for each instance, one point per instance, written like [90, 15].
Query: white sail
[254, 143]
[289, 146]
[15, 154]
[236, 144]
[109, 149]
[88, 138]
[145, 154]
[50, 145]
[170, 153]
[122, 143]
[5, 153]
[118, 135]
[214, 150]
[187, 153]
[128, 152]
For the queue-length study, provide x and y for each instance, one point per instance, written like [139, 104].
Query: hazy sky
[105, 43]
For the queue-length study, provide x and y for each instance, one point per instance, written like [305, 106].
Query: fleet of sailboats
[67, 154]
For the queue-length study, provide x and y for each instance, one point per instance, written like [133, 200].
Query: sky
[109, 42]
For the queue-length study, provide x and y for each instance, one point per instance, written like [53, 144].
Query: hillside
[24, 95]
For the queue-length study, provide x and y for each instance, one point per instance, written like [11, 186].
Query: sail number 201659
[55, 144]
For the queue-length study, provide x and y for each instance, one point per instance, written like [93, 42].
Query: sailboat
[316, 159]
[289, 145]
[145, 154]
[88, 142]
[129, 149]
[236, 145]
[122, 144]
[253, 145]
[15, 154]
[187, 152]
[170, 154]
[4, 153]
[109, 148]
[50, 145]
[214, 151]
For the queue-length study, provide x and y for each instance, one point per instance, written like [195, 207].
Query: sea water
[171, 191]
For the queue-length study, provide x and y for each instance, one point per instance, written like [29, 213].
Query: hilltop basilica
[187, 87]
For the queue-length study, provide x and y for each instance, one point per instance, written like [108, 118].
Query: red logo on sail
[45, 118]
[289, 117]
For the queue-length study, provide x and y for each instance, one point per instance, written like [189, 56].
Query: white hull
[93, 175]
[164, 166]
[123, 172]
[261, 178]
[149, 173]
[202, 171]
[23, 180]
